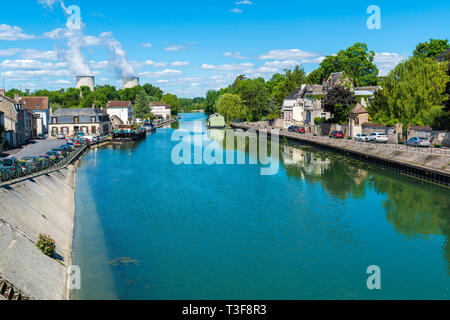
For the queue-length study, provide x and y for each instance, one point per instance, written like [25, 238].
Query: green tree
[71, 98]
[432, 48]
[210, 103]
[254, 95]
[315, 77]
[292, 79]
[356, 61]
[231, 107]
[339, 101]
[410, 91]
[447, 91]
[171, 100]
[141, 105]
[153, 91]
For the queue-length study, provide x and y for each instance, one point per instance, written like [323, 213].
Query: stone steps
[8, 291]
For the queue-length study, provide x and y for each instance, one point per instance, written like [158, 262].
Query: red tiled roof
[35, 103]
[118, 104]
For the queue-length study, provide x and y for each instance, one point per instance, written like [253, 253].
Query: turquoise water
[146, 228]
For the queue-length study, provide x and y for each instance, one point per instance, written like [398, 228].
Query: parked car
[61, 136]
[46, 160]
[362, 137]
[337, 135]
[291, 129]
[5, 173]
[35, 162]
[41, 136]
[62, 151]
[11, 165]
[301, 130]
[378, 137]
[25, 168]
[418, 142]
[54, 156]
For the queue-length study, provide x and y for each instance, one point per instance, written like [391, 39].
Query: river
[147, 228]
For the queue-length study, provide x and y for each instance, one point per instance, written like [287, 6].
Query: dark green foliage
[46, 244]
[339, 101]
[432, 48]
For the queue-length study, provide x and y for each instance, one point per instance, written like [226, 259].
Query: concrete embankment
[427, 164]
[41, 205]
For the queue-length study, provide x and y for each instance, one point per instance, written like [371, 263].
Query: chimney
[16, 98]
[2, 92]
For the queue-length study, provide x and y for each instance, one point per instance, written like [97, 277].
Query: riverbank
[427, 164]
[40, 205]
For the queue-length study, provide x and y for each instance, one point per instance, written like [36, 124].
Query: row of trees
[416, 91]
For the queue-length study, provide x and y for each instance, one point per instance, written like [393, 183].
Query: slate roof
[35, 103]
[78, 112]
[293, 95]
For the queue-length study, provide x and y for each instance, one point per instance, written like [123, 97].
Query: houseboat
[128, 134]
[216, 121]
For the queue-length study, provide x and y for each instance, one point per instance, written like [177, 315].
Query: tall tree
[356, 61]
[339, 101]
[231, 107]
[171, 100]
[432, 48]
[292, 79]
[142, 105]
[408, 95]
[315, 77]
[447, 91]
[210, 104]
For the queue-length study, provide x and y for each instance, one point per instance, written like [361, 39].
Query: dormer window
[76, 120]
[93, 119]
[54, 120]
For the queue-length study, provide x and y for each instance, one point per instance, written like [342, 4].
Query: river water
[146, 228]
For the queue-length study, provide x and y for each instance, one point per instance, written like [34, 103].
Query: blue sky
[189, 47]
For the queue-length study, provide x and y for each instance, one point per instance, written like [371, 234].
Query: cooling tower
[85, 81]
[130, 82]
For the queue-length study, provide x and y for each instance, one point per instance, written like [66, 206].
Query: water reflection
[416, 209]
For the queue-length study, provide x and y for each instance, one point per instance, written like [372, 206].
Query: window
[54, 131]
[65, 130]
[76, 120]
[93, 119]
[54, 120]
[93, 130]
[85, 130]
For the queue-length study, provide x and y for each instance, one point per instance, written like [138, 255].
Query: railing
[352, 143]
[15, 177]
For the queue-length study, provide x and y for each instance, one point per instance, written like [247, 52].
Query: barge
[128, 134]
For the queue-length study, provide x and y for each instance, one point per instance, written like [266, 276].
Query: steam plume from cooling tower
[119, 61]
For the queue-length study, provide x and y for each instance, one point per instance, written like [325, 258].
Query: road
[35, 148]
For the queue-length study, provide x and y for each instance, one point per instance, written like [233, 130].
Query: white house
[122, 109]
[160, 110]
[41, 109]
[292, 111]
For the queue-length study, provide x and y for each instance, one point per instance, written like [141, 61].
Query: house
[13, 116]
[30, 124]
[338, 79]
[357, 117]
[312, 105]
[70, 122]
[2, 130]
[41, 109]
[288, 108]
[116, 122]
[160, 110]
[444, 56]
[366, 94]
[216, 121]
[122, 109]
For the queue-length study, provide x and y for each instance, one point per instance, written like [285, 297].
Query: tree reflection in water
[414, 208]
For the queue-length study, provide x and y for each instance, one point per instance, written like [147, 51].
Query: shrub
[46, 245]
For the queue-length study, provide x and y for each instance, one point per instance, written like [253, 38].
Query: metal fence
[352, 143]
[55, 167]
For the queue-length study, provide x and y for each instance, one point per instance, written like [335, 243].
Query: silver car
[418, 142]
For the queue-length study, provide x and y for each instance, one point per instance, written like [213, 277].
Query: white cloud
[48, 3]
[313, 61]
[235, 55]
[281, 64]
[27, 74]
[155, 64]
[293, 54]
[13, 33]
[387, 61]
[244, 2]
[228, 67]
[29, 53]
[179, 64]
[162, 81]
[236, 10]
[174, 47]
[146, 45]
[157, 74]
[30, 64]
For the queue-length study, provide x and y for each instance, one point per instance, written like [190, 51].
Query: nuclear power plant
[86, 81]
[130, 82]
